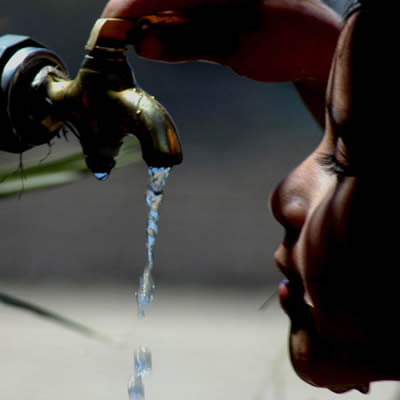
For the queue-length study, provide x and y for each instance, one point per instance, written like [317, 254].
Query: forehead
[363, 95]
[364, 78]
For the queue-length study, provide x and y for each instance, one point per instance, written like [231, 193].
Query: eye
[330, 163]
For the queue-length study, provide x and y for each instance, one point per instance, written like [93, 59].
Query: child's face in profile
[339, 210]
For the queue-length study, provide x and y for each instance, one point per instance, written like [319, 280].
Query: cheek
[325, 253]
[323, 238]
[352, 337]
[339, 273]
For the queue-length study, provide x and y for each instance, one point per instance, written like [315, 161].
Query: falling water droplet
[101, 176]
[143, 363]
[144, 296]
[136, 388]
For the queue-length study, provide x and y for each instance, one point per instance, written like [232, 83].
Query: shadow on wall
[239, 139]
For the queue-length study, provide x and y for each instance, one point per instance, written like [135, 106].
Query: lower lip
[291, 296]
[283, 290]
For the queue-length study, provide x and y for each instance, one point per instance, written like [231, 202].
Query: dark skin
[341, 294]
[259, 54]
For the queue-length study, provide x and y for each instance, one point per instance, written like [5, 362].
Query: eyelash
[331, 165]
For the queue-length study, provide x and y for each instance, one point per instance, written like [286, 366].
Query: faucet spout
[103, 105]
[150, 122]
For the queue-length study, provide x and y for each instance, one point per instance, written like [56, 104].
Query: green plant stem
[53, 317]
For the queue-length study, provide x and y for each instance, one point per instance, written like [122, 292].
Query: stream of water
[145, 293]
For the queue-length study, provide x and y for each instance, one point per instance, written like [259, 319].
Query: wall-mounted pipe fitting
[21, 126]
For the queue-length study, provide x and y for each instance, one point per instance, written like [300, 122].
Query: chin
[339, 368]
[335, 350]
[320, 367]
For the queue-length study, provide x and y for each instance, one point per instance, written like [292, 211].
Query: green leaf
[59, 172]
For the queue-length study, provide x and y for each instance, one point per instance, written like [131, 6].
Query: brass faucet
[102, 105]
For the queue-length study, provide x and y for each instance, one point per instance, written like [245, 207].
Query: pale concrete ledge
[206, 344]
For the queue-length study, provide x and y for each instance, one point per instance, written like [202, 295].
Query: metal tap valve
[102, 105]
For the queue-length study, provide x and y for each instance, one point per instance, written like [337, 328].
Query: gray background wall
[239, 139]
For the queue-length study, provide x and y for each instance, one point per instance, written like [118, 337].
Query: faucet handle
[110, 33]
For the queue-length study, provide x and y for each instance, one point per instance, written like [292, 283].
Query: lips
[291, 289]
[291, 295]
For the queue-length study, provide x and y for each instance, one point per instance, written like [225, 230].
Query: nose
[290, 201]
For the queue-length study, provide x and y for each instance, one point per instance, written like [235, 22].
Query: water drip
[101, 176]
[136, 388]
[144, 295]
[143, 362]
